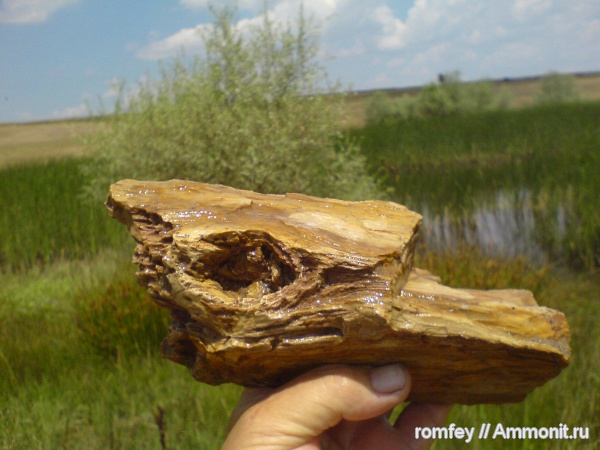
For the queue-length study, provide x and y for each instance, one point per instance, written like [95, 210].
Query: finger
[420, 415]
[296, 413]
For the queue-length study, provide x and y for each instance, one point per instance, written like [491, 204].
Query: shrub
[380, 107]
[250, 114]
[449, 96]
[557, 88]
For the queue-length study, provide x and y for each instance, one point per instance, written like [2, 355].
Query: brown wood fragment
[264, 287]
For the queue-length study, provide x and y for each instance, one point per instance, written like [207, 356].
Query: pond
[505, 225]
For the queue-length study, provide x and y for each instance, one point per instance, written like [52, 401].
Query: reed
[455, 164]
[43, 217]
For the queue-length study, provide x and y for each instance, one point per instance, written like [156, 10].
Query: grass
[98, 406]
[23, 143]
[43, 217]
[461, 162]
[62, 390]
[495, 149]
[63, 386]
[79, 363]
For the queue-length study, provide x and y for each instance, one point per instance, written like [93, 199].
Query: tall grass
[116, 318]
[485, 151]
[43, 218]
[458, 162]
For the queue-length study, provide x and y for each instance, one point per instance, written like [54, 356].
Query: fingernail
[388, 379]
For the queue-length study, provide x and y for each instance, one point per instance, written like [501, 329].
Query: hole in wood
[251, 265]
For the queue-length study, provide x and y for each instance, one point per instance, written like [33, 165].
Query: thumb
[298, 412]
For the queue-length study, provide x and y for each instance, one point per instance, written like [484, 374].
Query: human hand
[333, 407]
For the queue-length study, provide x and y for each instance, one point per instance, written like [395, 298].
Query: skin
[333, 407]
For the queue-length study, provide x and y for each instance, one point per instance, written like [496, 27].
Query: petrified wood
[264, 287]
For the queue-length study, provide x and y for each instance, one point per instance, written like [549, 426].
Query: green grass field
[79, 363]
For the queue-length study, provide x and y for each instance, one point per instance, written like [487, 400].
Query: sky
[57, 57]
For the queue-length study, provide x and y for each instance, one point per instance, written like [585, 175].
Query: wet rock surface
[264, 287]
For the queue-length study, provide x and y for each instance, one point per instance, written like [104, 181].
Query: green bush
[249, 114]
[448, 97]
[380, 107]
[557, 88]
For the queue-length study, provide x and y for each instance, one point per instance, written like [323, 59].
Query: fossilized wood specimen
[264, 287]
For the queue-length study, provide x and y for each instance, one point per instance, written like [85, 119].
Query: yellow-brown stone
[264, 287]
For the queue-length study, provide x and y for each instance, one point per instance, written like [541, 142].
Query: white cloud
[356, 49]
[523, 9]
[394, 30]
[241, 4]
[189, 39]
[71, 112]
[487, 39]
[115, 86]
[30, 11]
[384, 42]
[280, 8]
[103, 103]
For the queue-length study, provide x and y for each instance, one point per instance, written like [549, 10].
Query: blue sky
[58, 55]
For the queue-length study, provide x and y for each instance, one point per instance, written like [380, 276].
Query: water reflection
[504, 226]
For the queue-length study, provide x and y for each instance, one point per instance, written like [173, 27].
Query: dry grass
[524, 90]
[589, 86]
[21, 143]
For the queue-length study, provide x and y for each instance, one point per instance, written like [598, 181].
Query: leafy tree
[253, 112]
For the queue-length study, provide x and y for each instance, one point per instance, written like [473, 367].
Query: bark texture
[264, 287]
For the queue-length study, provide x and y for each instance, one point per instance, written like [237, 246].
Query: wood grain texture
[264, 287]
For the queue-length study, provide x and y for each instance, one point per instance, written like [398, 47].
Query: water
[503, 226]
